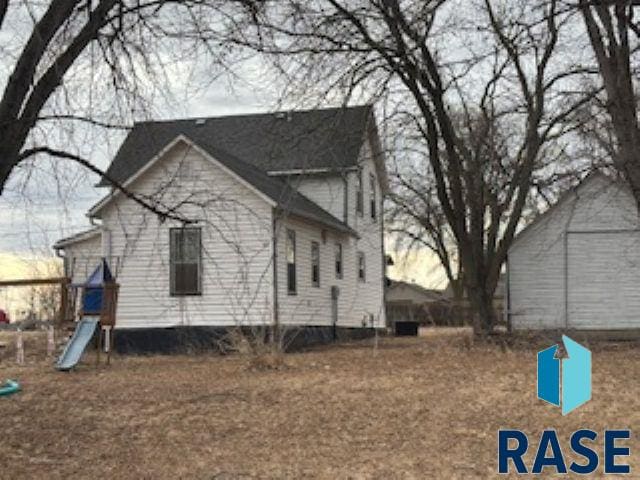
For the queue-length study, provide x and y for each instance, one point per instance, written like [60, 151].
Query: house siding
[82, 257]
[577, 266]
[238, 228]
[236, 247]
[358, 300]
[325, 190]
[369, 296]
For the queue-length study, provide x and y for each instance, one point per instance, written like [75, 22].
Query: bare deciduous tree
[73, 62]
[613, 34]
[495, 63]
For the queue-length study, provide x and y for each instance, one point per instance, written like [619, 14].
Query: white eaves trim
[78, 237]
[309, 171]
[93, 211]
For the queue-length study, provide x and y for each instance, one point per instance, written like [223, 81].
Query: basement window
[185, 253]
[361, 267]
[291, 262]
[315, 264]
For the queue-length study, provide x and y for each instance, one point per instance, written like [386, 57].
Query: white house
[578, 265]
[284, 222]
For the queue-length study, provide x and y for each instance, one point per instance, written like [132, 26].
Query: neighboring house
[460, 312]
[287, 222]
[578, 265]
[408, 303]
[498, 295]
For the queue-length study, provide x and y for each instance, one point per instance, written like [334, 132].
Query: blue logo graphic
[565, 382]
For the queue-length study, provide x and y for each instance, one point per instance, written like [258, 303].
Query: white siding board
[358, 300]
[82, 257]
[325, 190]
[604, 280]
[559, 277]
[236, 236]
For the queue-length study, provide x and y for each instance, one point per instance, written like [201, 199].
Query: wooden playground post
[51, 343]
[19, 348]
[108, 319]
[64, 301]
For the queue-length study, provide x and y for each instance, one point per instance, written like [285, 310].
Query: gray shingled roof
[252, 145]
[310, 139]
[288, 199]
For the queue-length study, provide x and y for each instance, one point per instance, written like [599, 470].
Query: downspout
[507, 294]
[345, 180]
[274, 267]
[384, 260]
[65, 261]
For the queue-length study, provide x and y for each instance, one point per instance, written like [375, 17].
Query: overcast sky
[37, 208]
[36, 212]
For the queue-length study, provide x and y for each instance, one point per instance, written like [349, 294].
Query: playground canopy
[94, 287]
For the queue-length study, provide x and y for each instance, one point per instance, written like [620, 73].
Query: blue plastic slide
[74, 349]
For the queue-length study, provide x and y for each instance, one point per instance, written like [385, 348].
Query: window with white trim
[362, 274]
[315, 264]
[291, 262]
[359, 194]
[185, 258]
[338, 253]
[372, 197]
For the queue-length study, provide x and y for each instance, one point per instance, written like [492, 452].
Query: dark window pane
[315, 264]
[361, 267]
[191, 246]
[291, 246]
[291, 277]
[291, 261]
[185, 261]
[372, 196]
[186, 278]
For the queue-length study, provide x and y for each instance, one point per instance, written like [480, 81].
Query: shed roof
[569, 193]
[77, 237]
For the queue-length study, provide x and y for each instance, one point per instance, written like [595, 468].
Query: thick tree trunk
[628, 139]
[8, 157]
[6, 166]
[485, 315]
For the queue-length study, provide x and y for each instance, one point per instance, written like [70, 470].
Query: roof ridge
[256, 114]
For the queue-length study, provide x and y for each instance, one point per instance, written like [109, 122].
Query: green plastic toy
[9, 387]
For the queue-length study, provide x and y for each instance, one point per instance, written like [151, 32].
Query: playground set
[99, 298]
[90, 305]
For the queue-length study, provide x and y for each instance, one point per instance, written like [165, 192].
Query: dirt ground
[427, 407]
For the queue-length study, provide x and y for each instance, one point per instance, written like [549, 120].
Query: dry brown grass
[426, 407]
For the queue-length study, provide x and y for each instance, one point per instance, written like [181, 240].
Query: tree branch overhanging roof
[307, 140]
[286, 199]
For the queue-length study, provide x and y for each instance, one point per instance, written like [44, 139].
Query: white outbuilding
[578, 265]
